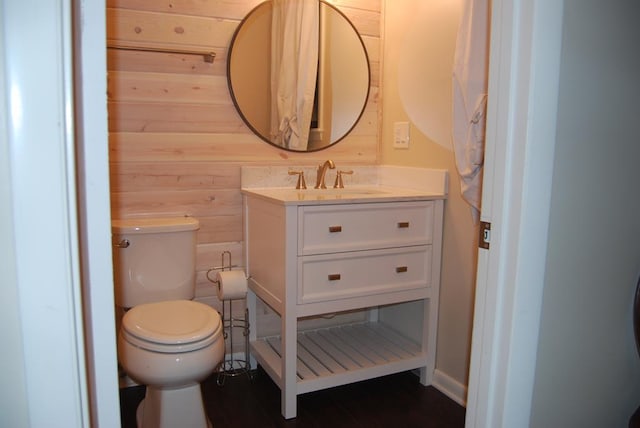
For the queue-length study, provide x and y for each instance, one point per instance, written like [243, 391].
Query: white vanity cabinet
[310, 258]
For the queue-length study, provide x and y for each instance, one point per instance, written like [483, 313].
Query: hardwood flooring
[397, 401]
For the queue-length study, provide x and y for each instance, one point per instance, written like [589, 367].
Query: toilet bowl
[170, 347]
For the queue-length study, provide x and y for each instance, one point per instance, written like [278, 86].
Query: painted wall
[588, 370]
[419, 45]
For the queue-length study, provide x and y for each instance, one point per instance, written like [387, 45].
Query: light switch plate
[401, 135]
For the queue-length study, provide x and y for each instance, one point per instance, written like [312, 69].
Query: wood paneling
[142, 28]
[176, 142]
[234, 9]
[154, 176]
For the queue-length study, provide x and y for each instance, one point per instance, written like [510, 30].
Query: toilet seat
[171, 326]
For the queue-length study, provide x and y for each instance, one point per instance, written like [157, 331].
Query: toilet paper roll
[232, 284]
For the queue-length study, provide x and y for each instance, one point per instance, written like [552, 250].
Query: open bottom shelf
[335, 356]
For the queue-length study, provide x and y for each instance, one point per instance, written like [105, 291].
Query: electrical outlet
[401, 135]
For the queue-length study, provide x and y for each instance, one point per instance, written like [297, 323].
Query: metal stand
[232, 365]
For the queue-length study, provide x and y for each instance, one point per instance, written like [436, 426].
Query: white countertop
[367, 184]
[353, 194]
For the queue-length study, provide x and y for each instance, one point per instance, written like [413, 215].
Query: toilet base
[168, 408]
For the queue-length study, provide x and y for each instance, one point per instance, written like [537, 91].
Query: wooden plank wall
[176, 142]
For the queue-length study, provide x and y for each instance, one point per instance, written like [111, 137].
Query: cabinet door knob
[403, 224]
[334, 277]
[335, 229]
[401, 269]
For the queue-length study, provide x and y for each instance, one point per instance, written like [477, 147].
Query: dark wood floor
[397, 401]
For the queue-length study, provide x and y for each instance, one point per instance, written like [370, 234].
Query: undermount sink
[311, 194]
[344, 191]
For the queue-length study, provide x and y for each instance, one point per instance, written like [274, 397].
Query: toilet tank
[154, 259]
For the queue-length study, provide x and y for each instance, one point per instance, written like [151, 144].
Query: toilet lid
[172, 326]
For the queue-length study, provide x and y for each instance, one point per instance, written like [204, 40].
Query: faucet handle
[301, 184]
[339, 184]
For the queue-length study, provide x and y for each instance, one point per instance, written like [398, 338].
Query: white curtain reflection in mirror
[294, 68]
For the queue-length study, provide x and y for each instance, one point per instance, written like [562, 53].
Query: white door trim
[95, 212]
[523, 92]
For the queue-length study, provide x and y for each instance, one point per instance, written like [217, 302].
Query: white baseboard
[450, 387]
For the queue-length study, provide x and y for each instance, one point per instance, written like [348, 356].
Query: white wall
[588, 371]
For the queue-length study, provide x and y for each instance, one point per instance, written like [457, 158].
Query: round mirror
[339, 83]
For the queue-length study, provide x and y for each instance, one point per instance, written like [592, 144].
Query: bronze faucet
[322, 171]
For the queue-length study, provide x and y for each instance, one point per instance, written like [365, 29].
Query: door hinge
[485, 235]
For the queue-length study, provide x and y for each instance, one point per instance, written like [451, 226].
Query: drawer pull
[401, 269]
[335, 229]
[403, 224]
[334, 277]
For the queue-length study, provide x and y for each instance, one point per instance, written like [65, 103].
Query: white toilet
[166, 341]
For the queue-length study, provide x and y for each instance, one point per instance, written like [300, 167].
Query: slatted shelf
[337, 355]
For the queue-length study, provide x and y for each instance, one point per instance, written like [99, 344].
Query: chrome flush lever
[122, 244]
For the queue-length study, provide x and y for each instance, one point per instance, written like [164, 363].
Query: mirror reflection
[298, 74]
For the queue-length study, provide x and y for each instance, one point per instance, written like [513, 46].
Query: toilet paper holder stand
[232, 365]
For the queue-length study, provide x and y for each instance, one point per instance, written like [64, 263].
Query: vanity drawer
[363, 273]
[339, 228]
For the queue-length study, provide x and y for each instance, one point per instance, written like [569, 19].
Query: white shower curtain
[470, 74]
[294, 68]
